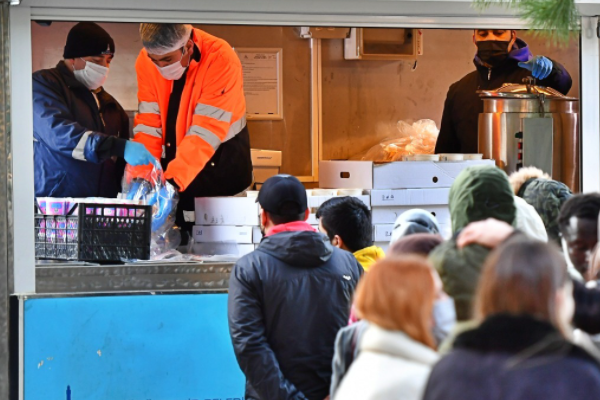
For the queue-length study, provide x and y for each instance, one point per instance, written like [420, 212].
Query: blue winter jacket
[78, 143]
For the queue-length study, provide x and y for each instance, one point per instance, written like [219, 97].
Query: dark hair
[417, 243]
[585, 206]
[350, 219]
[288, 209]
[522, 276]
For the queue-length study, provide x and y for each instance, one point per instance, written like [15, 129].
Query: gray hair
[161, 39]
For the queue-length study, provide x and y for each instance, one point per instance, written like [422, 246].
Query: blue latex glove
[539, 66]
[137, 154]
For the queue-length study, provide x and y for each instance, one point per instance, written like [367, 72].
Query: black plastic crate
[100, 233]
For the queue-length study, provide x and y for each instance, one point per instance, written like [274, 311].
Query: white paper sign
[262, 82]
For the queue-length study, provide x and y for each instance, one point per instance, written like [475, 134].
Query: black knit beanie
[88, 39]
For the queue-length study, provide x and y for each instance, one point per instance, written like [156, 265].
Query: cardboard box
[261, 174]
[346, 174]
[256, 234]
[388, 215]
[236, 211]
[382, 232]
[314, 202]
[409, 197]
[221, 249]
[265, 158]
[220, 234]
[394, 175]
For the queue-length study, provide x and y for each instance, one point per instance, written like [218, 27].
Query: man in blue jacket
[288, 299]
[501, 58]
[81, 132]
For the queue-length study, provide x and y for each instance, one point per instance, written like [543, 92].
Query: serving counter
[81, 278]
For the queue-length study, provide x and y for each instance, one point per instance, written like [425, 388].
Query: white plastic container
[422, 157]
[451, 157]
[472, 156]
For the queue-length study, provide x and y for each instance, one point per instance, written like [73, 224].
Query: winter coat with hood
[478, 193]
[287, 301]
[517, 358]
[458, 131]
[390, 365]
[78, 140]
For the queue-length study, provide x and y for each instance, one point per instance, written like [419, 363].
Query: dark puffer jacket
[516, 358]
[78, 143]
[478, 193]
[458, 131]
[287, 301]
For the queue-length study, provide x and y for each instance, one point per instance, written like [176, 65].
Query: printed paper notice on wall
[262, 82]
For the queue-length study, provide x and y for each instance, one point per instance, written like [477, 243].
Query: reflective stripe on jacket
[76, 137]
[213, 107]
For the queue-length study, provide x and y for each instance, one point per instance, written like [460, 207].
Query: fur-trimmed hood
[545, 195]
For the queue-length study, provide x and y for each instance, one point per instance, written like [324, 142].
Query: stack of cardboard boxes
[225, 225]
[230, 225]
[397, 187]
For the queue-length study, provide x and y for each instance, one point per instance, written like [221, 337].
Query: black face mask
[492, 52]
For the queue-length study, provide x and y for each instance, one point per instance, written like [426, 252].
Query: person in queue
[288, 299]
[192, 114]
[397, 349]
[346, 347]
[347, 223]
[501, 58]
[80, 131]
[546, 195]
[523, 348]
[578, 224]
[413, 222]
[478, 193]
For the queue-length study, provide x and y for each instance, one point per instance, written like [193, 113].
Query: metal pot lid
[524, 91]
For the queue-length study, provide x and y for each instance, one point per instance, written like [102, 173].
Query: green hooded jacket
[478, 193]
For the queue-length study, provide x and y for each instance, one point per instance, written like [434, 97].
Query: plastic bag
[152, 189]
[413, 138]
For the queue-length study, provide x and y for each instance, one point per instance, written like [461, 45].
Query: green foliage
[556, 20]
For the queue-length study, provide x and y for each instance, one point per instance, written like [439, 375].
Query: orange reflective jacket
[212, 111]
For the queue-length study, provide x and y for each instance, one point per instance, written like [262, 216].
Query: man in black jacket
[501, 58]
[288, 299]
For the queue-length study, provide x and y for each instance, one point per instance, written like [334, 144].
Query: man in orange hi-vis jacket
[192, 113]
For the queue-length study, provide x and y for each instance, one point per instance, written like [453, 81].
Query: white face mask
[444, 318]
[173, 71]
[92, 76]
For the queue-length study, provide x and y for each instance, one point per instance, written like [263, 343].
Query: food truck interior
[330, 94]
[361, 100]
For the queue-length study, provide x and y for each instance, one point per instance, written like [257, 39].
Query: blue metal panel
[164, 347]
